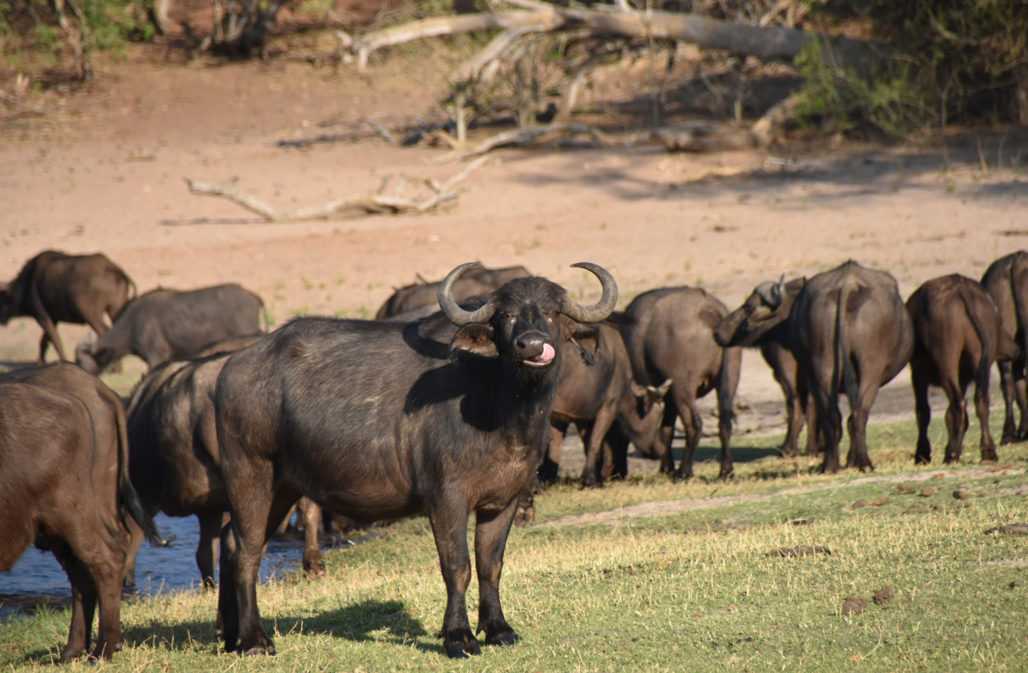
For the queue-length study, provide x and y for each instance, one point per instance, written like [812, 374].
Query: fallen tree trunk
[768, 43]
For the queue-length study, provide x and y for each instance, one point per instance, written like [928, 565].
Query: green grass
[695, 590]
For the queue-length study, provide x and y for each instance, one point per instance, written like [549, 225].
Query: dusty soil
[103, 170]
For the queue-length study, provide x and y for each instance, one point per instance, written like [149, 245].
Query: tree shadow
[360, 622]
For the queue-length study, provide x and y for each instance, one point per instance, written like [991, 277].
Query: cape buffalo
[63, 457]
[1006, 281]
[377, 420]
[55, 287]
[762, 321]
[419, 299]
[164, 325]
[958, 335]
[669, 334]
[594, 389]
[851, 333]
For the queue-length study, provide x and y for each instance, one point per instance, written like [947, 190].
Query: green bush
[945, 61]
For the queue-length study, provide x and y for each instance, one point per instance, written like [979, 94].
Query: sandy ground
[103, 170]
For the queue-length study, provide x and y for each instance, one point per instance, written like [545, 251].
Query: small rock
[928, 492]
[906, 489]
[1012, 585]
[859, 504]
[853, 605]
[962, 494]
[1009, 529]
[801, 550]
[884, 595]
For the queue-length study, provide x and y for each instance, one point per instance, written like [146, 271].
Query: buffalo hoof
[70, 655]
[501, 637]
[314, 569]
[922, 459]
[681, 475]
[461, 644]
[591, 482]
[524, 517]
[989, 455]
[260, 644]
[726, 474]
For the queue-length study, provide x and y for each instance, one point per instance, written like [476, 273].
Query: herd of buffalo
[454, 401]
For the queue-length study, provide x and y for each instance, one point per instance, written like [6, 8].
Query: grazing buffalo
[958, 335]
[66, 487]
[851, 334]
[762, 321]
[54, 287]
[377, 420]
[175, 459]
[1006, 281]
[419, 299]
[595, 389]
[164, 325]
[669, 334]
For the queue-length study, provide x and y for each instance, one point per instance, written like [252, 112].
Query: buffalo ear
[475, 339]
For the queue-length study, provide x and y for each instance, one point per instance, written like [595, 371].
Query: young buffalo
[377, 420]
[65, 486]
[958, 335]
[54, 287]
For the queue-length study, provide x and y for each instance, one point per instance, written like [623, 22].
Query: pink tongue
[546, 356]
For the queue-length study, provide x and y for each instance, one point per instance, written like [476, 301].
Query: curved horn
[602, 308]
[457, 315]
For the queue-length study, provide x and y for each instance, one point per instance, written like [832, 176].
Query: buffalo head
[767, 307]
[521, 322]
[91, 358]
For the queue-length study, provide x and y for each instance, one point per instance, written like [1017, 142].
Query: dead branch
[768, 43]
[768, 128]
[378, 203]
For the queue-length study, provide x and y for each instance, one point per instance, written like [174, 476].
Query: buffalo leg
[1006, 384]
[616, 447]
[83, 604]
[858, 455]
[981, 407]
[1022, 405]
[793, 420]
[49, 334]
[227, 622]
[666, 437]
[491, 531]
[207, 549]
[254, 520]
[592, 474]
[128, 581]
[449, 520]
[550, 468]
[923, 411]
[956, 420]
[693, 425]
[313, 566]
[829, 425]
[725, 404]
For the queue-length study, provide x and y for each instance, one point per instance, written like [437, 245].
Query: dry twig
[378, 203]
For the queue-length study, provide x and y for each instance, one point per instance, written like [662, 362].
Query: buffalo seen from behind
[959, 334]
[163, 325]
[377, 420]
[849, 332]
[54, 287]
[669, 335]
[66, 487]
[1006, 281]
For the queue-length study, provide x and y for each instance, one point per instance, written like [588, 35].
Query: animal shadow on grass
[355, 622]
[740, 454]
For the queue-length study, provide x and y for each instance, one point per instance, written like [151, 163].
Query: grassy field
[751, 575]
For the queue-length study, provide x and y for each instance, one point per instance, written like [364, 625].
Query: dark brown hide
[54, 287]
[669, 334]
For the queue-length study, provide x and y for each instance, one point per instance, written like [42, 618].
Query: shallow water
[37, 578]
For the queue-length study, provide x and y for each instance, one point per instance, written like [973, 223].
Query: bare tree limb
[378, 203]
[768, 43]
